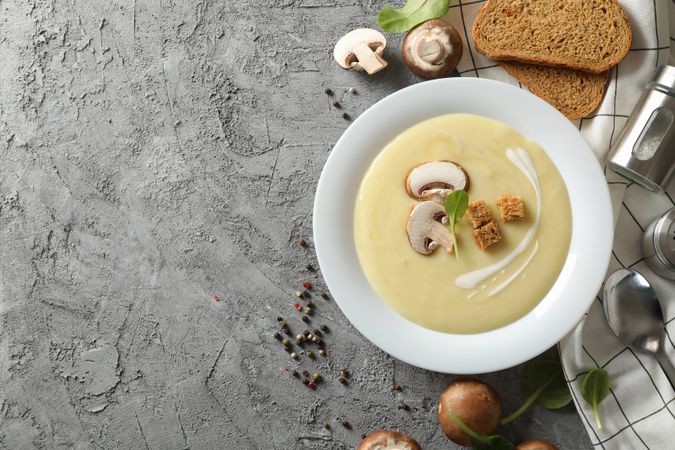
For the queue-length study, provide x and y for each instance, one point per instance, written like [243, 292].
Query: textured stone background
[154, 154]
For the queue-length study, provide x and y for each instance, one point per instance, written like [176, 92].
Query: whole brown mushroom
[476, 404]
[388, 440]
[536, 444]
[432, 49]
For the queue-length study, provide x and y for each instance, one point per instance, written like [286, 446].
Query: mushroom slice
[436, 179]
[425, 229]
[361, 49]
[432, 50]
[388, 440]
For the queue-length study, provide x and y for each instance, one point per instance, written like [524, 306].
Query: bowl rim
[573, 291]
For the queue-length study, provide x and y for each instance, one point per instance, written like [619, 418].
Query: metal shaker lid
[664, 238]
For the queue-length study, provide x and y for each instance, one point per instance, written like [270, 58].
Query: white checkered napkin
[640, 409]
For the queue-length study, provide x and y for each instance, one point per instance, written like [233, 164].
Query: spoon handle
[667, 367]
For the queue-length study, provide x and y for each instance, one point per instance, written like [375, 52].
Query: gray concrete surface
[154, 154]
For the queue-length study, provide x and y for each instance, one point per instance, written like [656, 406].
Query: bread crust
[549, 60]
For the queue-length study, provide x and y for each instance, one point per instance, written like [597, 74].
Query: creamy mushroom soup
[482, 289]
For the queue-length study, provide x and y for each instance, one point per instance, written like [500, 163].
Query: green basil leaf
[556, 394]
[494, 442]
[594, 388]
[455, 205]
[413, 13]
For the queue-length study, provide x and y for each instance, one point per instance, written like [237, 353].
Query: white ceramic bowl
[557, 313]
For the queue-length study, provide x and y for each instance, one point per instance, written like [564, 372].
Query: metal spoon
[634, 315]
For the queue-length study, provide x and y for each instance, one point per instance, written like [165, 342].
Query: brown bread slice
[588, 35]
[574, 93]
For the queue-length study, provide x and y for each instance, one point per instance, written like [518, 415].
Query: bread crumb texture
[588, 35]
[511, 207]
[487, 235]
[574, 93]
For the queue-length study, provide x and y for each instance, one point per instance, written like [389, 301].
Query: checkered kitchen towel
[640, 410]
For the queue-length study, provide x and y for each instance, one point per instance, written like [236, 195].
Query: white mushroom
[388, 440]
[432, 50]
[426, 230]
[436, 180]
[361, 49]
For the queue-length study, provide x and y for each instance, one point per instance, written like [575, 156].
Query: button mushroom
[388, 440]
[476, 404]
[536, 444]
[436, 180]
[361, 49]
[432, 49]
[426, 230]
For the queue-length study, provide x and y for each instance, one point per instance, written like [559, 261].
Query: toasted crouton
[479, 214]
[487, 235]
[511, 207]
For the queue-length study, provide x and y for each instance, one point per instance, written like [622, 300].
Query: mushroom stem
[369, 60]
[441, 236]
[430, 50]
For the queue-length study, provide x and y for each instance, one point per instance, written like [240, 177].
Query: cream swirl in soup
[483, 289]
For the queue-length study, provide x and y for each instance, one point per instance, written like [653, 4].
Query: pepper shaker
[658, 245]
[645, 151]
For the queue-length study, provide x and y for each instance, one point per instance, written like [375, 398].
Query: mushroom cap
[421, 225]
[476, 403]
[436, 178]
[536, 444]
[343, 51]
[432, 49]
[388, 440]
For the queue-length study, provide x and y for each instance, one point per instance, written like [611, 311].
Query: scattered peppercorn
[288, 349]
[324, 296]
[397, 387]
[344, 373]
[298, 294]
[306, 294]
[311, 385]
[315, 339]
[295, 373]
[308, 310]
[326, 425]
[337, 104]
[342, 380]
[352, 90]
[328, 91]
[346, 424]
[277, 335]
[280, 319]
[346, 116]
[310, 302]
[305, 381]
[305, 319]
[216, 298]
[310, 354]
[317, 332]
[299, 338]
[363, 436]
[307, 284]
[310, 268]
[297, 306]
[282, 322]
[404, 407]
[324, 328]
[294, 355]
[286, 341]
[305, 373]
[316, 376]
[322, 352]
[306, 333]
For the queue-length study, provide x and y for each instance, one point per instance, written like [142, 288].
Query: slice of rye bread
[588, 35]
[574, 93]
